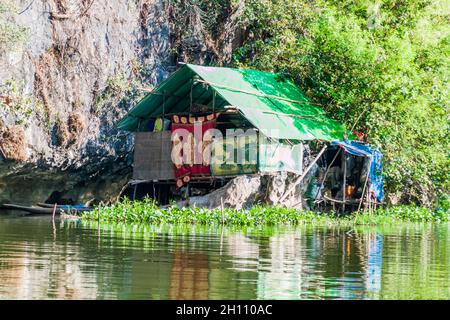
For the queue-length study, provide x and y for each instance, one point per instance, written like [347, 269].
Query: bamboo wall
[152, 156]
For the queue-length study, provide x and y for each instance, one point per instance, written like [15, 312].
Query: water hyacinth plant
[147, 211]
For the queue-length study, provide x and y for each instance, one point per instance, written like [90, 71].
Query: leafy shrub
[380, 67]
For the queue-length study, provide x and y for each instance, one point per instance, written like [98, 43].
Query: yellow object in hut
[349, 190]
[158, 125]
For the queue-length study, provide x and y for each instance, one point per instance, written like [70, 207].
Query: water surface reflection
[71, 260]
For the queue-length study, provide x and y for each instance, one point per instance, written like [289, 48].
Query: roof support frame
[178, 98]
[185, 103]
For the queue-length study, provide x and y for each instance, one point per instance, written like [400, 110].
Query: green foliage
[120, 90]
[198, 28]
[210, 12]
[22, 106]
[147, 211]
[381, 67]
[11, 34]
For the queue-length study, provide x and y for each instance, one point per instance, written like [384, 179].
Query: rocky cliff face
[77, 71]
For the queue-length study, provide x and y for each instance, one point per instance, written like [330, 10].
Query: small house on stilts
[203, 126]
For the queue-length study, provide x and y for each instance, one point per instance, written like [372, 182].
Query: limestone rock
[67, 86]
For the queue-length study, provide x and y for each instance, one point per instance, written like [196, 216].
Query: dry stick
[29, 5]
[3, 153]
[64, 16]
[54, 212]
[357, 119]
[53, 222]
[87, 9]
[98, 223]
[333, 200]
[368, 202]
[294, 185]
[221, 241]
[221, 210]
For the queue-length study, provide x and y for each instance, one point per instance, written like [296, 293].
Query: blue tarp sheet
[361, 149]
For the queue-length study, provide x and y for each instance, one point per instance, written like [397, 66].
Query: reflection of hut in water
[13, 275]
[151, 280]
[189, 276]
[283, 274]
[244, 251]
[374, 264]
[28, 270]
[234, 273]
[343, 265]
[62, 278]
[226, 283]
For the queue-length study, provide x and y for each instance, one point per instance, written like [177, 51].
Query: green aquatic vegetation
[148, 212]
[412, 213]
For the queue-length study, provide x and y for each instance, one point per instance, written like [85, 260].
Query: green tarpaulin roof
[272, 103]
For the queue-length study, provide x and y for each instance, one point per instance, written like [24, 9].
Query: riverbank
[146, 211]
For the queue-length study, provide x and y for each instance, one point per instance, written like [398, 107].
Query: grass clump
[12, 35]
[22, 106]
[148, 212]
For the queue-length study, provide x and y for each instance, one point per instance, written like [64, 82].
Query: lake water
[79, 260]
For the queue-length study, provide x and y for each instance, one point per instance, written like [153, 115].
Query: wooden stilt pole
[363, 194]
[222, 210]
[344, 182]
[134, 191]
[326, 172]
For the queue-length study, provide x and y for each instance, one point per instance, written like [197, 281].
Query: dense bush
[380, 66]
